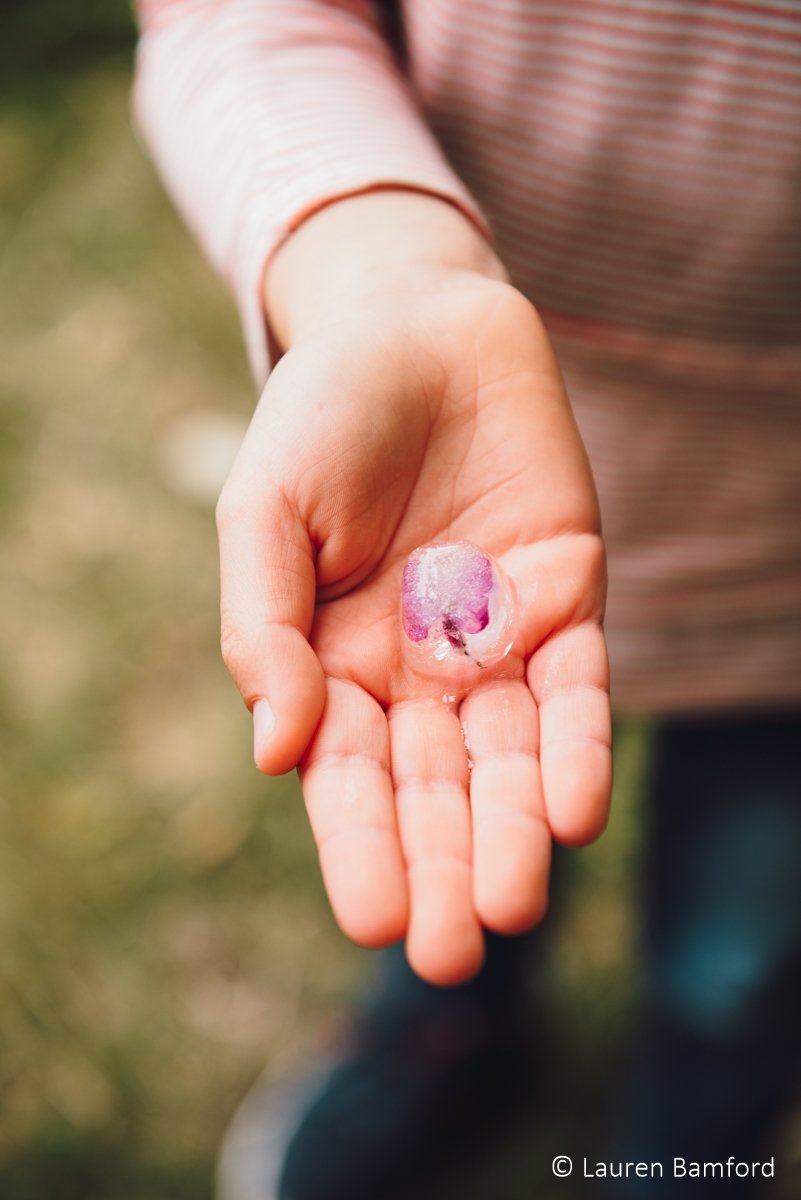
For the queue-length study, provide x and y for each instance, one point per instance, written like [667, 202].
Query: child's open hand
[426, 408]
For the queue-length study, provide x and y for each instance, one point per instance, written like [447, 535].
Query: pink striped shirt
[639, 165]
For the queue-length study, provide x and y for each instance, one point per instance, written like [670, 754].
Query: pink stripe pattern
[639, 166]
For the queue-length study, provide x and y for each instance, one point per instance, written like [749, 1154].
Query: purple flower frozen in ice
[455, 600]
[449, 584]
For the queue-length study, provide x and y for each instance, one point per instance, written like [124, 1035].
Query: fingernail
[263, 725]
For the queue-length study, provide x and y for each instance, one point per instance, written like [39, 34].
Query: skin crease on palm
[419, 401]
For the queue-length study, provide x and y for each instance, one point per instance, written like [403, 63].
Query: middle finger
[430, 774]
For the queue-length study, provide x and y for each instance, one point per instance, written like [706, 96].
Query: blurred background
[164, 932]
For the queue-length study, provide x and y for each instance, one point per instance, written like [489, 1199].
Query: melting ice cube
[457, 604]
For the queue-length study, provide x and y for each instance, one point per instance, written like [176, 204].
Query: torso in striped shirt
[640, 162]
[640, 165]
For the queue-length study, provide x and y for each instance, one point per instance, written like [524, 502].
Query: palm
[413, 838]
[495, 499]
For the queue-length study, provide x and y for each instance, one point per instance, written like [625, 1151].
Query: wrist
[367, 250]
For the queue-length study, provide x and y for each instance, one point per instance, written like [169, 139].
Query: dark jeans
[719, 1044]
[720, 1049]
[717, 1049]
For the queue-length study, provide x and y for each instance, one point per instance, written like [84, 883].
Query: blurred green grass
[160, 906]
[164, 930]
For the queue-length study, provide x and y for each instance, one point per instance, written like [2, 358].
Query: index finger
[350, 801]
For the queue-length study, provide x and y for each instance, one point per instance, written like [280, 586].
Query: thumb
[267, 582]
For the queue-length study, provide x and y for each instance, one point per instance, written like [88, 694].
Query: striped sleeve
[259, 112]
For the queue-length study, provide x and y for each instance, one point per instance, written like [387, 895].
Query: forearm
[371, 248]
[261, 114]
